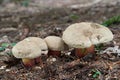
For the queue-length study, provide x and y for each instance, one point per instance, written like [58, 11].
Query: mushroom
[30, 49]
[83, 36]
[55, 45]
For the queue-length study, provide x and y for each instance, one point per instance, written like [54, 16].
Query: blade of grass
[113, 20]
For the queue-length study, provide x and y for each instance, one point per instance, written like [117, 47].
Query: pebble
[2, 67]
[68, 53]
[7, 70]
[38, 67]
[52, 60]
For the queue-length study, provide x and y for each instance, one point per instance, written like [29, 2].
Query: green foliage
[74, 16]
[96, 73]
[3, 46]
[22, 2]
[98, 47]
[13, 44]
[25, 3]
[113, 20]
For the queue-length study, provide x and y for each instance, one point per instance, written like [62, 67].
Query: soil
[18, 26]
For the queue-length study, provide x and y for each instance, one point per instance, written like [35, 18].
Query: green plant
[113, 20]
[25, 3]
[96, 73]
[98, 47]
[22, 2]
[3, 46]
[74, 16]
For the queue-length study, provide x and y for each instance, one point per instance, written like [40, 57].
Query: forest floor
[16, 26]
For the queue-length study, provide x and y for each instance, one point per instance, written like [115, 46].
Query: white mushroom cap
[30, 47]
[54, 43]
[85, 34]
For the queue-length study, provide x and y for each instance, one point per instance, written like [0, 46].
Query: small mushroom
[29, 50]
[55, 45]
[83, 36]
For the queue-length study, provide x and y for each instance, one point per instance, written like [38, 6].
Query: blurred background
[23, 18]
[42, 17]
[39, 5]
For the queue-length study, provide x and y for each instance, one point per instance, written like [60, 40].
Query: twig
[7, 29]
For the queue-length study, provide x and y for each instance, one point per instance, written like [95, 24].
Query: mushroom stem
[31, 62]
[28, 62]
[38, 60]
[54, 53]
[81, 52]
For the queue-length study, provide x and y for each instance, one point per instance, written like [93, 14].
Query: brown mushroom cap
[30, 47]
[54, 43]
[85, 34]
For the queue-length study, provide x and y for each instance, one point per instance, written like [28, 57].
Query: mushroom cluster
[80, 36]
